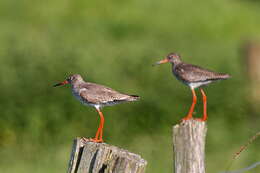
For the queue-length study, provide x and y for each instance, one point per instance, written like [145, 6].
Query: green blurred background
[115, 43]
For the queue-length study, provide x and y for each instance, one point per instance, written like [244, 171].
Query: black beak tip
[155, 64]
[55, 85]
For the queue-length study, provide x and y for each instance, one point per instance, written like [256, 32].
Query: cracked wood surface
[90, 157]
[189, 146]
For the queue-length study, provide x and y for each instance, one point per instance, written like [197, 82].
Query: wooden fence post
[90, 157]
[189, 146]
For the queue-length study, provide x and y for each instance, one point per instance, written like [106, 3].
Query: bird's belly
[198, 84]
[191, 84]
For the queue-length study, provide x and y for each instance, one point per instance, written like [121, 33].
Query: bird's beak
[161, 62]
[61, 83]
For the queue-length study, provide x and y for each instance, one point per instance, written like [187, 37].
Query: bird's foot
[201, 119]
[188, 117]
[92, 140]
[96, 140]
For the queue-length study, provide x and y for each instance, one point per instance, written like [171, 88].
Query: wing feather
[100, 94]
[195, 73]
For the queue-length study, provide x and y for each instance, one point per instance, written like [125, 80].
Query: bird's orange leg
[194, 101]
[204, 118]
[99, 133]
[102, 120]
[96, 136]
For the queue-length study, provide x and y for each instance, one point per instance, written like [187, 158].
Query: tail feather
[222, 76]
[133, 98]
[225, 76]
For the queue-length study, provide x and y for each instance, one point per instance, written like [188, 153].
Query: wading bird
[193, 76]
[97, 96]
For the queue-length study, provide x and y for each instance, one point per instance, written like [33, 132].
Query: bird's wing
[95, 93]
[195, 73]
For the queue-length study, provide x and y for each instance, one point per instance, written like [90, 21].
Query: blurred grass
[114, 43]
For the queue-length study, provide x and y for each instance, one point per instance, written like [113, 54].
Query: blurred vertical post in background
[251, 51]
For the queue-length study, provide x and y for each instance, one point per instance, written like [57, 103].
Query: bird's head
[172, 58]
[70, 80]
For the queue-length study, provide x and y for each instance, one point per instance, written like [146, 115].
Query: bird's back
[189, 73]
[92, 93]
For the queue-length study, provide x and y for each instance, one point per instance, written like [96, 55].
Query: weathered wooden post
[189, 146]
[90, 157]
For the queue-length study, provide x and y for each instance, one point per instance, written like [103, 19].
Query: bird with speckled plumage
[97, 96]
[194, 77]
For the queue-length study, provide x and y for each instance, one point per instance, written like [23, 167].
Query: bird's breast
[76, 94]
[178, 75]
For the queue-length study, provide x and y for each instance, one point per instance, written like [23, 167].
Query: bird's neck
[76, 84]
[175, 64]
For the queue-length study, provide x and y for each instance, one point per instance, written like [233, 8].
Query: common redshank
[193, 76]
[97, 96]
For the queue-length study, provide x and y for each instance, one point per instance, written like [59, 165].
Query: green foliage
[115, 43]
